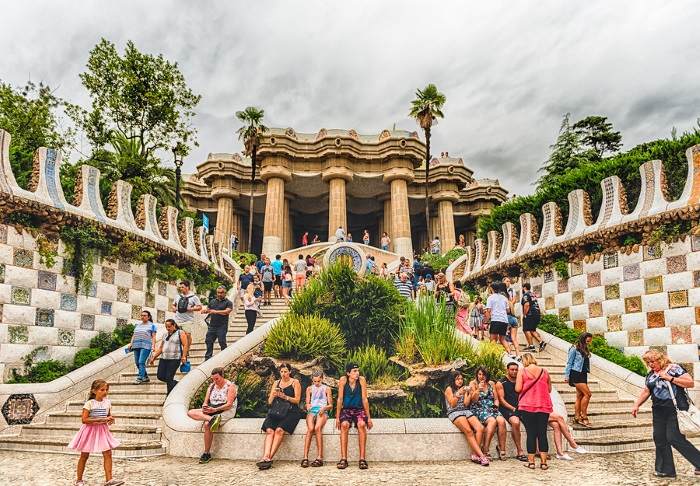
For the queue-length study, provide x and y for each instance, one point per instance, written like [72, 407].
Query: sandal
[304, 462]
[489, 456]
[317, 463]
[342, 464]
[501, 454]
[663, 475]
[530, 465]
[363, 464]
[521, 458]
[544, 466]
[576, 421]
[585, 422]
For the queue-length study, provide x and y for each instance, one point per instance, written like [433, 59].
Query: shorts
[300, 279]
[186, 326]
[287, 285]
[507, 414]
[353, 415]
[278, 280]
[530, 323]
[500, 328]
[460, 413]
[513, 321]
[385, 248]
[315, 410]
[267, 286]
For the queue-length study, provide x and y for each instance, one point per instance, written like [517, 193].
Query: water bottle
[127, 350]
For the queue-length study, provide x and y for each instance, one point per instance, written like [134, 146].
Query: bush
[304, 338]
[375, 365]
[491, 356]
[248, 258]
[46, 371]
[442, 261]
[252, 394]
[86, 356]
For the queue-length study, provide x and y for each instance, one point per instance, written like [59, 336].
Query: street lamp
[178, 166]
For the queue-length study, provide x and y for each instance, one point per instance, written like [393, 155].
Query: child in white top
[318, 403]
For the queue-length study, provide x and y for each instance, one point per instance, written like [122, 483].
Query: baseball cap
[351, 366]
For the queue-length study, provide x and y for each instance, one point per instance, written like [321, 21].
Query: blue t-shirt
[259, 264]
[245, 279]
[277, 267]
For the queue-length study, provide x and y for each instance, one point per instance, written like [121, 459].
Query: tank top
[352, 398]
[219, 396]
[97, 409]
[534, 397]
[318, 396]
[459, 407]
[509, 392]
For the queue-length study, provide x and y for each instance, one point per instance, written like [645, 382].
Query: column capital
[337, 173]
[398, 173]
[269, 171]
[221, 192]
[451, 196]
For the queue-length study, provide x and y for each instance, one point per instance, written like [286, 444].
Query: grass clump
[375, 365]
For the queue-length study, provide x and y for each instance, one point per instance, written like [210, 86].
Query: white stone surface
[579, 282]
[693, 260]
[655, 302]
[3, 334]
[632, 322]
[636, 350]
[6, 254]
[46, 299]
[104, 323]
[625, 259]
[680, 316]
[611, 276]
[122, 279]
[549, 288]
[694, 297]
[597, 325]
[65, 285]
[121, 309]
[594, 294]
[562, 300]
[89, 305]
[18, 314]
[677, 248]
[137, 296]
[658, 336]
[617, 339]
[106, 291]
[5, 291]
[695, 334]
[683, 353]
[66, 319]
[83, 337]
[678, 281]
[43, 336]
[65, 354]
[17, 352]
[613, 307]
[22, 277]
[631, 288]
[652, 268]
[578, 311]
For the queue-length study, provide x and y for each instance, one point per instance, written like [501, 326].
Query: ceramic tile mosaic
[663, 348]
[681, 335]
[69, 302]
[20, 409]
[92, 291]
[564, 314]
[580, 325]
[20, 295]
[697, 315]
[576, 269]
[595, 309]
[18, 334]
[87, 322]
[633, 304]
[656, 319]
[562, 286]
[66, 337]
[696, 278]
[614, 323]
[548, 276]
[124, 266]
[123, 294]
[150, 300]
[549, 302]
[537, 290]
[612, 292]
[107, 275]
[2, 273]
[695, 243]
[44, 317]
[23, 258]
[162, 288]
[653, 285]
[106, 308]
[136, 312]
[160, 317]
[635, 338]
[137, 282]
[651, 252]
[67, 269]
[593, 279]
[630, 272]
[47, 281]
[577, 297]
[610, 260]
[678, 299]
[3, 233]
[121, 322]
[676, 264]
[689, 368]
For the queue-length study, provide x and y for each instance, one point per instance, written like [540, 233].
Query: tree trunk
[254, 162]
[427, 175]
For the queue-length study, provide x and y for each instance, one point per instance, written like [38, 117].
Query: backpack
[474, 317]
[183, 304]
[464, 299]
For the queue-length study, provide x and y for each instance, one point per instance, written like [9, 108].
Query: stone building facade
[318, 182]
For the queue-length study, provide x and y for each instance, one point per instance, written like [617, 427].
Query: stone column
[399, 178]
[387, 222]
[434, 229]
[337, 206]
[224, 197]
[274, 229]
[447, 225]
[289, 242]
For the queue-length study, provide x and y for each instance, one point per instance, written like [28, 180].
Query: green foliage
[23, 219]
[427, 332]
[597, 137]
[490, 355]
[562, 267]
[106, 342]
[83, 242]
[304, 338]
[375, 365]
[428, 403]
[253, 393]
[244, 259]
[366, 309]
[47, 255]
[442, 261]
[599, 346]
[669, 233]
[85, 356]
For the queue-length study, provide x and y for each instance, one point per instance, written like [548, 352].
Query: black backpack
[183, 304]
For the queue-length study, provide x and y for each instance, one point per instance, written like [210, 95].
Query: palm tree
[251, 133]
[426, 108]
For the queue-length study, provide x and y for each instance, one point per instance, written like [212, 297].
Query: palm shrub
[490, 355]
[252, 393]
[375, 365]
[304, 338]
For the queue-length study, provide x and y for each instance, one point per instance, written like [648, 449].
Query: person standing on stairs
[217, 322]
[513, 323]
[251, 304]
[268, 277]
[578, 365]
[184, 308]
[172, 352]
[664, 377]
[531, 318]
[277, 268]
[142, 343]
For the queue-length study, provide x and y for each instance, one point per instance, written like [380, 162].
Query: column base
[272, 245]
[403, 247]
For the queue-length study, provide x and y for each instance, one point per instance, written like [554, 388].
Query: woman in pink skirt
[463, 302]
[94, 435]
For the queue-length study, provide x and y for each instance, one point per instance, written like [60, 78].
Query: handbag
[280, 408]
[186, 367]
[688, 420]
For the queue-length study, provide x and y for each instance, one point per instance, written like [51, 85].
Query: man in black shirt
[218, 310]
[508, 399]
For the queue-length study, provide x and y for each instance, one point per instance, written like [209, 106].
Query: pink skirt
[94, 438]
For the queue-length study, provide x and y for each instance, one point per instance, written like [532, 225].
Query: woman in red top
[534, 404]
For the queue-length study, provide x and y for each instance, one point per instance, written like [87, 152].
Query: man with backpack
[217, 325]
[184, 308]
[531, 318]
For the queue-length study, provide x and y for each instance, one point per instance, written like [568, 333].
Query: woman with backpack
[173, 352]
[476, 321]
[463, 301]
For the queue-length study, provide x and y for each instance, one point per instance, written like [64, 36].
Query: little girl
[94, 435]
[318, 403]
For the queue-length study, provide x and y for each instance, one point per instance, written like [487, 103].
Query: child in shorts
[318, 403]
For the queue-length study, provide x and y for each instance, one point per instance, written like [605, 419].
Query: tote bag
[688, 420]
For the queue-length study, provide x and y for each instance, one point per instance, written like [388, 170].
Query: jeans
[166, 372]
[140, 357]
[251, 316]
[385, 248]
[667, 435]
[536, 427]
[214, 333]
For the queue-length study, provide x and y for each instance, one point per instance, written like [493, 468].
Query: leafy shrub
[428, 403]
[46, 371]
[366, 309]
[490, 355]
[244, 259]
[305, 338]
[442, 261]
[86, 356]
[375, 365]
[252, 392]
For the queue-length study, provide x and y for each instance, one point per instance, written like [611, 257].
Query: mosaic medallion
[23, 258]
[548, 276]
[107, 275]
[697, 315]
[349, 252]
[3, 233]
[20, 409]
[136, 312]
[160, 317]
[678, 299]
[594, 279]
[580, 325]
[20, 295]
[651, 252]
[66, 337]
[612, 292]
[137, 282]
[44, 317]
[614, 323]
[656, 319]
[537, 290]
[595, 309]
[696, 278]
[106, 307]
[630, 272]
[576, 269]
[681, 335]
[695, 242]
[549, 302]
[562, 286]
[564, 314]
[18, 334]
[610, 260]
[676, 264]
[69, 302]
[633, 304]
[121, 323]
[635, 338]
[653, 285]
[47, 281]
[162, 288]
[577, 297]
[87, 322]
[123, 294]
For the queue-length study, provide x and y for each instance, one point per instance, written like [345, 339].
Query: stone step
[569, 396]
[562, 387]
[145, 394]
[137, 432]
[121, 418]
[128, 448]
[612, 404]
[126, 406]
[121, 388]
[639, 426]
[622, 443]
[614, 416]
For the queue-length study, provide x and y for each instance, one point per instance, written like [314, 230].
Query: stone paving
[59, 469]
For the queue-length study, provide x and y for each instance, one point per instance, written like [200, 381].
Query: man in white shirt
[300, 273]
[435, 246]
[340, 234]
[497, 314]
[184, 308]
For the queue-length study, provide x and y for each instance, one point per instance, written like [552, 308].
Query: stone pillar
[447, 225]
[337, 206]
[434, 229]
[289, 242]
[399, 178]
[387, 222]
[224, 221]
[274, 229]
[237, 226]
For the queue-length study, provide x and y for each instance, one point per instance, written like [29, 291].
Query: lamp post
[178, 167]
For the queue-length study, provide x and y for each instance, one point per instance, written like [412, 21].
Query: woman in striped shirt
[142, 342]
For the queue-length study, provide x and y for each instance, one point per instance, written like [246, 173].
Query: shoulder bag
[280, 408]
[524, 392]
[186, 367]
[688, 420]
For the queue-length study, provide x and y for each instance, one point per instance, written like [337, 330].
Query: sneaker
[114, 482]
[146, 380]
[475, 458]
[206, 457]
[484, 461]
[137, 381]
[579, 450]
[542, 345]
[565, 457]
[529, 348]
[214, 425]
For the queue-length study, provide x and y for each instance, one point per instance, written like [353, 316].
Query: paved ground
[57, 469]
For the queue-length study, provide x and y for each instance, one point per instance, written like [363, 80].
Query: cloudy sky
[510, 70]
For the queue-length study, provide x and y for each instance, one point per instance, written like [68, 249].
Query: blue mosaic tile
[87, 322]
[92, 291]
[20, 295]
[47, 281]
[66, 337]
[23, 258]
[121, 323]
[44, 317]
[106, 307]
[69, 302]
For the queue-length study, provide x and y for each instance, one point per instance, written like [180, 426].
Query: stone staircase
[136, 408]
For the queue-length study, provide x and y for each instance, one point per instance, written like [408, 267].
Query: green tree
[251, 134]
[426, 108]
[565, 154]
[597, 135]
[32, 116]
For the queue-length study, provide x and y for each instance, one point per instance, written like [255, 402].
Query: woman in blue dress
[484, 404]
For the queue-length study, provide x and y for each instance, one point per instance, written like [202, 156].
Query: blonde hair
[528, 359]
[656, 355]
[250, 290]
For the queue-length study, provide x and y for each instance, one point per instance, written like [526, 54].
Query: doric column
[399, 178]
[337, 207]
[289, 242]
[274, 229]
[387, 221]
[224, 197]
[445, 196]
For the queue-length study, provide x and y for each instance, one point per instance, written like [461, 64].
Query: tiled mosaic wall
[649, 298]
[39, 307]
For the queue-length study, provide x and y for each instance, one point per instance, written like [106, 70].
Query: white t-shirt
[186, 316]
[300, 267]
[498, 305]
